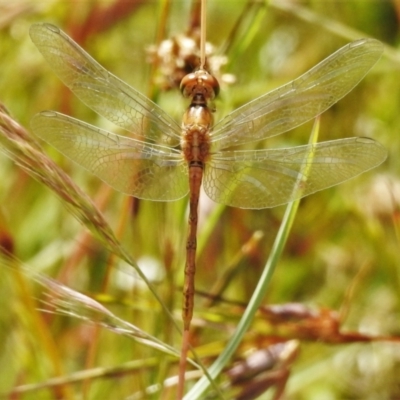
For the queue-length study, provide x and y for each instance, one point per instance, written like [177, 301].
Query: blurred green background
[342, 255]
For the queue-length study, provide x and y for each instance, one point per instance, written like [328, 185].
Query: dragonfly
[162, 160]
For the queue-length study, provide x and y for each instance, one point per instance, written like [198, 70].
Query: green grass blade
[203, 384]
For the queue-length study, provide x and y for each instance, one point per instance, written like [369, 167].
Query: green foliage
[341, 258]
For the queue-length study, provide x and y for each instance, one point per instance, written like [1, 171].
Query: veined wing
[268, 178]
[300, 100]
[102, 91]
[145, 170]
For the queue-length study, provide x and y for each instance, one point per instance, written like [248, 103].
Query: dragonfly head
[200, 83]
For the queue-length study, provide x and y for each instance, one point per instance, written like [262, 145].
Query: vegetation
[77, 322]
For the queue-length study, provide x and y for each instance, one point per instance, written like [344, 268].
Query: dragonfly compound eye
[200, 82]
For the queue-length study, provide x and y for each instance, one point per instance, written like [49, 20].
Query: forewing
[300, 100]
[102, 91]
[144, 170]
[268, 178]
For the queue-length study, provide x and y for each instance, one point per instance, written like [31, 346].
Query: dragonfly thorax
[196, 125]
[197, 121]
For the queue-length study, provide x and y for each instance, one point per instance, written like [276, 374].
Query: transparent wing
[268, 178]
[102, 91]
[145, 170]
[300, 100]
